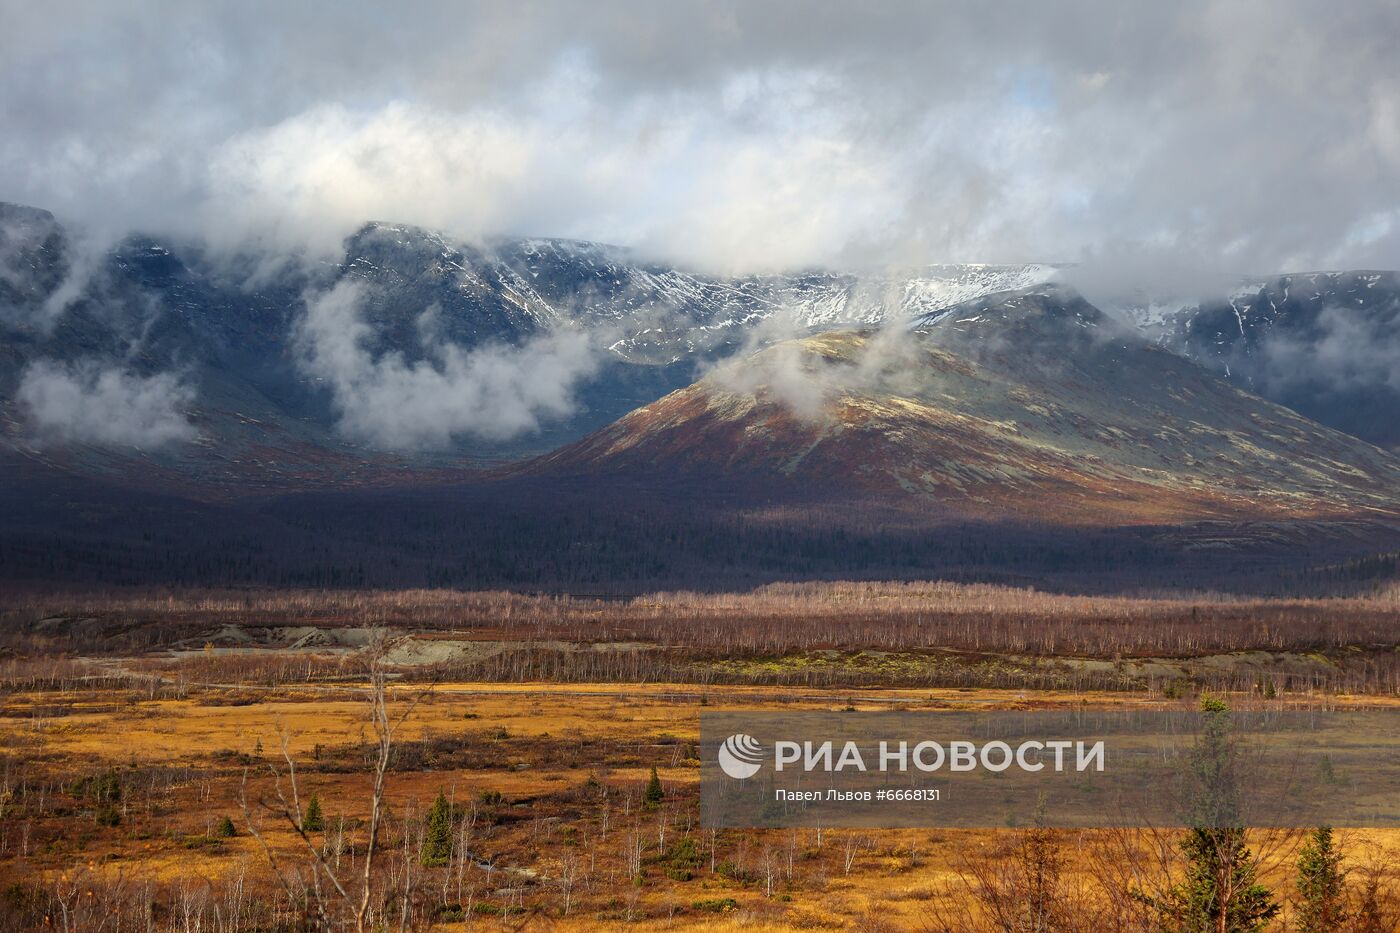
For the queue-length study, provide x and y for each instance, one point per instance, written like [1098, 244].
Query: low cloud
[45, 269]
[85, 258]
[494, 392]
[776, 364]
[1345, 350]
[787, 373]
[99, 403]
[1135, 274]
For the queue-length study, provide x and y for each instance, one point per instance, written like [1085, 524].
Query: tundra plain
[161, 750]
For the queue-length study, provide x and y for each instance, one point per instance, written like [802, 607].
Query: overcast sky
[1175, 137]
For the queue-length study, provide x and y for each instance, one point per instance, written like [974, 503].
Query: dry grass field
[549, 781]
[159, 784]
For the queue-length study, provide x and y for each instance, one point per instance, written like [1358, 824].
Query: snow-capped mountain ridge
[1063, 412]
[662, 312]
[153, 307]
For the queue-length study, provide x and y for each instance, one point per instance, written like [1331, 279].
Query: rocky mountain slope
[1325, 344]
[225, 338]
[960, 420]
[228, 331]
[1028, 404]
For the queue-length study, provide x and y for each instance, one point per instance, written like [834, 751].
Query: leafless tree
[356, 898]
[769, 862]
[854, 843]
[568, 872]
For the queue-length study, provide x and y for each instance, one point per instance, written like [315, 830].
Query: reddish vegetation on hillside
[1059, 421]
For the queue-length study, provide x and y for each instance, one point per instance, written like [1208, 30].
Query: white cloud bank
[1245, 135]
[96, 403]
[495, 392]
[1346, 351]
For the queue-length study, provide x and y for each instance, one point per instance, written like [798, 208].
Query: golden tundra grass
[535, 745]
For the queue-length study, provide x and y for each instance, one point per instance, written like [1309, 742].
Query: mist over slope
[413, 351]
[1325, 344]
[417, 358]
[559, 414]
[1027, 404]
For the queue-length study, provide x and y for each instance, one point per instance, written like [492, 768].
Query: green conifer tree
[313, 822]
[437, 839]
[1321, 884]
[1220, 893]
[653, 795]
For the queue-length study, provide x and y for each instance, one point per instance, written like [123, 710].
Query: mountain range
[471, 373]
[230, 327]
[1032, 404]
